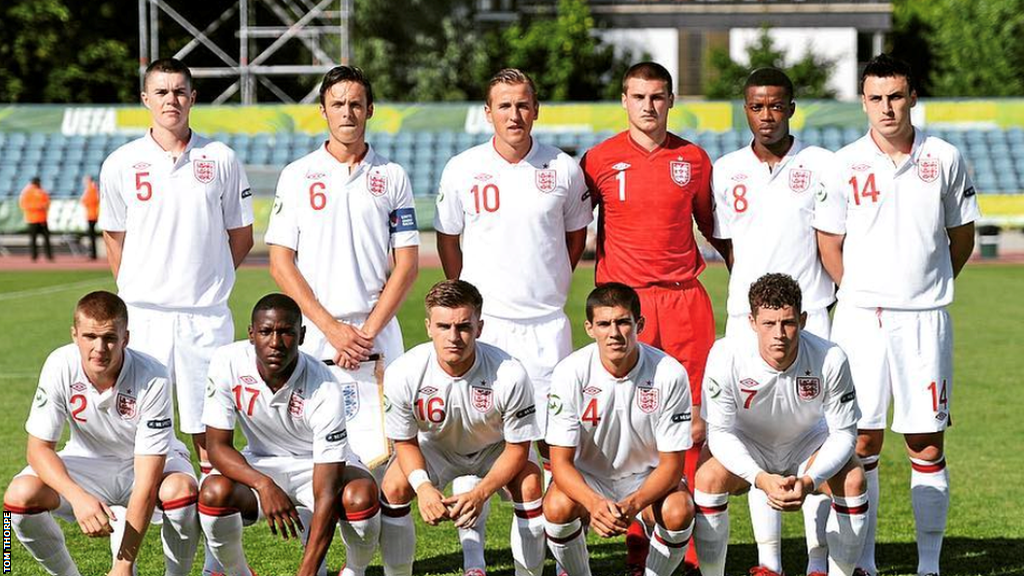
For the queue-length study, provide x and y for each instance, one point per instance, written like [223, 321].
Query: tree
[809, 74]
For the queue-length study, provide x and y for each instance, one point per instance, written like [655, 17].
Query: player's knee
[676, 511]
[711, 477]
[176, 486]
[216, 492]
[558, 507]
[28, 492]
[869, 442]
[395, 487]
[528, 485]
[359, 495]
[927, 447]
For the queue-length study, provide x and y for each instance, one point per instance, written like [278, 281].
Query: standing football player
[896, 229]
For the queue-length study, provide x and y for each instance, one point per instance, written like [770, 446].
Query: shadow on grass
[960, 557]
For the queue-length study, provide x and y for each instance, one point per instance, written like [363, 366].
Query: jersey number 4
[590, 412]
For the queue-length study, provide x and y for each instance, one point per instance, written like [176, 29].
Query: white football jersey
[513, 218]
[175, 216]
[619, 425]
[896, 252]
[342, 228]
[132, 417]
[304, 418]
[768, 214]
[491, 403]
[775, 410]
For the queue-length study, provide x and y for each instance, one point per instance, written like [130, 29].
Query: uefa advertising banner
[697, 115]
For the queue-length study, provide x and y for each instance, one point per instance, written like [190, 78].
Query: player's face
[100, 344]
[346, 111]
[454, 332]
[647, 103]
[887, 102]
[276, 335]
[768, 109]
[615, 330]
[512, 110]
[169, 98]
[778, 334]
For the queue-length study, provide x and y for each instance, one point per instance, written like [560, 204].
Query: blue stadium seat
[11, 157]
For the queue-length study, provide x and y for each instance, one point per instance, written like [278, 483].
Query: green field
[986, 524]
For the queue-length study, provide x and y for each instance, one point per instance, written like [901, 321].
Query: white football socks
[929, 494]
[397, 539]
[711, 531]
[528, 538]
[568, 545]
[668, 548]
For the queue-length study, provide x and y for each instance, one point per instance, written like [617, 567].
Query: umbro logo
[620, 166]
[428, 391]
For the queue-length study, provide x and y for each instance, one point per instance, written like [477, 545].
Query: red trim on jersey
[531, 513]
[24, 510]
[178, 503]
[670, 544]
[362, 514]
[216, 510]
[568, 538]
[931, 468]
[840, 509]
[705, 510]
[395, 511]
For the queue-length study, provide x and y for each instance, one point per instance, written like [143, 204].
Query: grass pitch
[986, 524]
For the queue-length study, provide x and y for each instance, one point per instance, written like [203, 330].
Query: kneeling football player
[292, 414]
[122, 450]
[456, 407]
[618, 428]
[782, 416]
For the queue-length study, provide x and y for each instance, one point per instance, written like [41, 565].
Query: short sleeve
[219, 406]
[960, 199]
[113, 211]
[841, 402]
[236, 198]
[449, 217]
[577, 210]
[49, 408]
[327, 420]
[563, 412]
[673, 428]
[156, 424]
[723, 216]
[402, 219]
[830, 201]
[719, 399]
[519, 409]
[283, 229]
[398, 418]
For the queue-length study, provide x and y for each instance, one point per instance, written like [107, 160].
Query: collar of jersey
[534, 145]
[466, 375]
[915, 149]
[669, 138]
[105, 397]
[641, 358]
[368, 160]
[795, 149]
[193, 141]
[283, 393]
[769, 368]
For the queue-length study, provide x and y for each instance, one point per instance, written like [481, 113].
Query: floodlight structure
[321, 26]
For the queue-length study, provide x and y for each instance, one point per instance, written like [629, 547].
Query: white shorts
[787, 460]
[444, 466]
[111, 480]
[903, 354]
[184, 342]
[294, 476]
[538, 345]
[615, 489]
[818, 323]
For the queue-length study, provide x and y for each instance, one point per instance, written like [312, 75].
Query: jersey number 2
[81, 402]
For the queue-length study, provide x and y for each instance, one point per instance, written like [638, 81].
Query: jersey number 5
[143, 189]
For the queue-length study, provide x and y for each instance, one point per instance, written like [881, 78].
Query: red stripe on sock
[362, 515]
[705, 510]
[870, 466]
[568, 538]
[532, 513]
[862, 509]
[929, 468]
[547, 465]
[216, 510]
[395, 511]
[178, 503]
[670, 544]
[24, 509]
[205, 469]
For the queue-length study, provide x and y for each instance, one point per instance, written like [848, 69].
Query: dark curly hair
[775, 291]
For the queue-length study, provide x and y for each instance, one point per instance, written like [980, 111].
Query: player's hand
[431, 503]
[465, 508]
[778, 489]
[279, 511]
[698, 428]
[606, 518]
[796, 496]
[352, 344]
[628, 508]
[93, 515]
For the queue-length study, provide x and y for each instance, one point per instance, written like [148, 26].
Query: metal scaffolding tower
[321, 26]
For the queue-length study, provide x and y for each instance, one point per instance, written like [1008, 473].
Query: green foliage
[809, 74]
[962, 47]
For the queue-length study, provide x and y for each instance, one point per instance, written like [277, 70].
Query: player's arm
[347, 340]
[660, 482]
[403, 276]
[465, 508]
[605, 516]
[449, 250]
[327, 488]
[240, 241]
[114, 242]
[576, 243]
[148, 474]
[428, 497]
[93, 515]
[277, 506]
[961, 246]
[830, 250]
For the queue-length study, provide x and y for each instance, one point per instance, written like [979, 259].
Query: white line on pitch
[51, 289]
